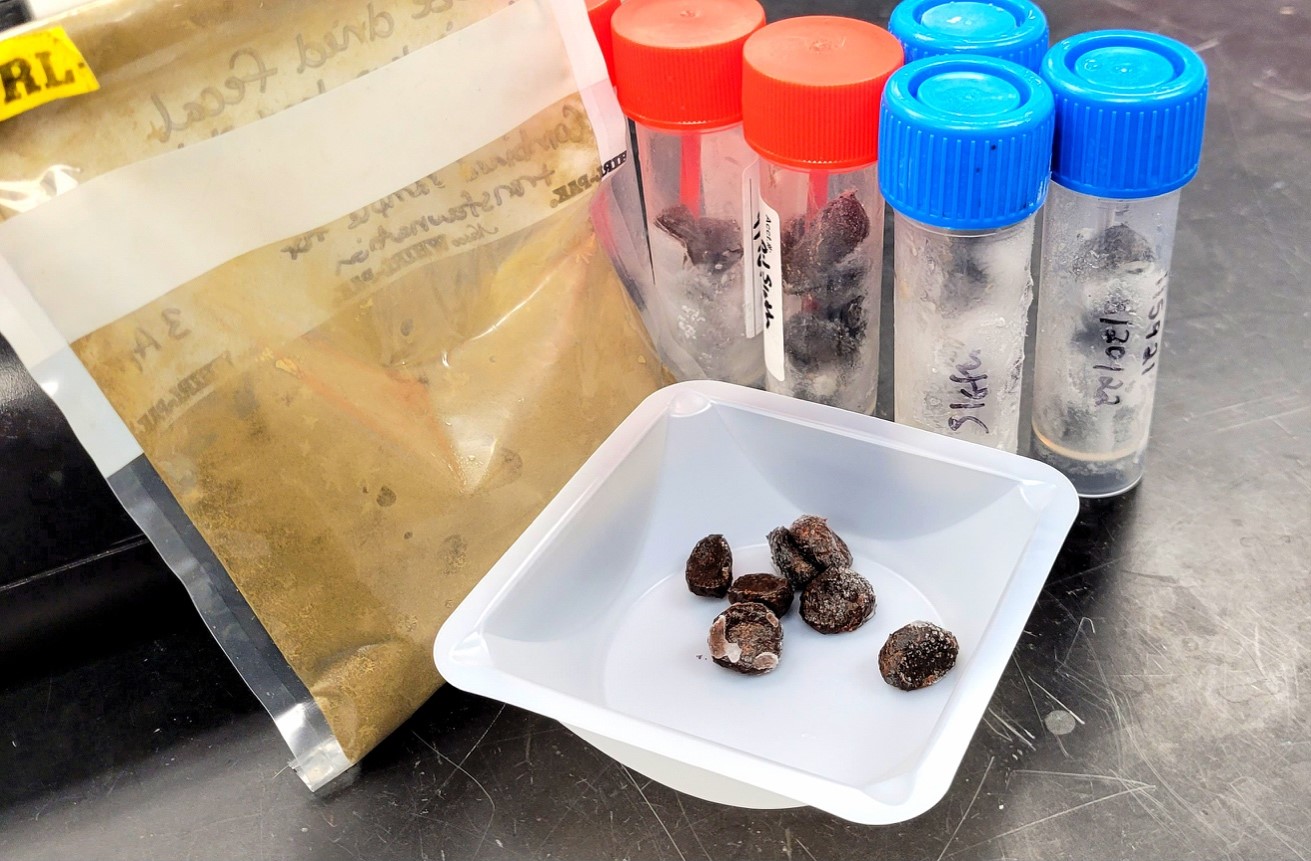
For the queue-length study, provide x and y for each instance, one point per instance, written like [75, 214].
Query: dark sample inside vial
[917, 655]
[715, 243]
[837, 601]
[1101, 263]
[814, 341]
[840, 228]
[771, 590]
[820, 263]
[1117, 251]
[747, 638]
[817, 257]
[965, 283]
[710, 567]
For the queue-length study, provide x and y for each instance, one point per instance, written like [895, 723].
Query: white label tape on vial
[769, 276]
[752, 306]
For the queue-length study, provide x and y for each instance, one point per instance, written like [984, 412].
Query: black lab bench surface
[1158, 703]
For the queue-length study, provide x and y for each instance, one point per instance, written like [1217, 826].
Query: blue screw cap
[1014, 30]
[1130, 112]
[965, 142]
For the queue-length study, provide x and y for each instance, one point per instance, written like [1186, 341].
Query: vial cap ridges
[1130, 113]
[965, 142]
[811, 88]
[1014, 30]
[678, 63]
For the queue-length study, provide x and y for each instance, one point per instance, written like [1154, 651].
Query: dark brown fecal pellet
[712, 242]
[771, 590]
[746, 637]
[837, 601]
[820, 543]
[791, 562]
[843, 225]
[917, 655]
[710, 567]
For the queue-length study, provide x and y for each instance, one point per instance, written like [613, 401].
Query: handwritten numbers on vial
[1156, 318]
[146, 339]
[973, 391]
[1115, 333]
[1120, 340]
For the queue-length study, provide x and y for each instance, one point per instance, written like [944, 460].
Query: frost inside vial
[1102, 379]
[697, 262]
[826, 317]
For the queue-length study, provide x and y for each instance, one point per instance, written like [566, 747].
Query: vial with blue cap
[1130, 110]
[965, 149]
[1014, 30]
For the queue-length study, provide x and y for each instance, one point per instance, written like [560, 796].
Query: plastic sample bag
[315, 284]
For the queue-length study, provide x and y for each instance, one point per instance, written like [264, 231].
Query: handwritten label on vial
[753, 306]
[1155, 320]
[1121, 337]
[973, 393]
[769, 275]
[1115, 329]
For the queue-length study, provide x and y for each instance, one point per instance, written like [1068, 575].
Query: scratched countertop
[1158, 703]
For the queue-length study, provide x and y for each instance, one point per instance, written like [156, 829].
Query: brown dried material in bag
[360, 419]
[356, 482]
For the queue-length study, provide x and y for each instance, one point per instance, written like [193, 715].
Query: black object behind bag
[13, 13]
[74, 569]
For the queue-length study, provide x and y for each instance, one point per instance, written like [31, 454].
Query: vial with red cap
[810, 109]
[678, 71]
[599, 13]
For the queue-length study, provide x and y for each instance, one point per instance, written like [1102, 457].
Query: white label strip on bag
[63, 378]
[768, 262]
[24, 323]
[124, 239]
[594, 85]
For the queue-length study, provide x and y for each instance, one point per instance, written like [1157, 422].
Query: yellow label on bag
[39, 67]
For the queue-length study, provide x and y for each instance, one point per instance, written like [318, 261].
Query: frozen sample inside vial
[1099, 339]
[697, 262]
[827, 336]
[961, 313]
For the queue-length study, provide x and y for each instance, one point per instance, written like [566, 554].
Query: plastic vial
[1014, 30]
[678, 65]
[617, 207]
[965, 153]
[1130, 108]
[810, 103]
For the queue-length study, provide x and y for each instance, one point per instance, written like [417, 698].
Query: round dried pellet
[820, 543]
[837, 601]
[788, 558]
[917, 655]
[746, 637]
[771, 590]
[710, 567]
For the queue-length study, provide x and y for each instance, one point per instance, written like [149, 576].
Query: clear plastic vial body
[1131, 110]
[961, 308]
[964, 160]
[702, 307]
[822, 343]
[1101, 316]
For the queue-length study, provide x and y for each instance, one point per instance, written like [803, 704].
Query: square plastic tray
[587, 618]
